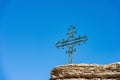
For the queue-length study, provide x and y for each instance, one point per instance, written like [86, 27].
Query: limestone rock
[86, 72]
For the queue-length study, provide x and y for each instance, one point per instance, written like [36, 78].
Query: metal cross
[71, 42]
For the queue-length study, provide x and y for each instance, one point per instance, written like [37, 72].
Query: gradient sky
[29, 30]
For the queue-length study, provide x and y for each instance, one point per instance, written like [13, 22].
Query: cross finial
[71, 42]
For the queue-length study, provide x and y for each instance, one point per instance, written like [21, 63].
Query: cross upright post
[71, 42]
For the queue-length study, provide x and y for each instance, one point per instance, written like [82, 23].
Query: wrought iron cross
[71, 42]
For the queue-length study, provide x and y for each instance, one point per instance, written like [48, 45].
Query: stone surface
[86, 72]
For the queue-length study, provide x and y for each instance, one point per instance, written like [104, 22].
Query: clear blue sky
[29, 30]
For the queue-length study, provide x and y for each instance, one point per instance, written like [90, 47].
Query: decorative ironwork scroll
[71, 42]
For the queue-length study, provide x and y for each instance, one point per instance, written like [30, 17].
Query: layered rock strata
[86, 72]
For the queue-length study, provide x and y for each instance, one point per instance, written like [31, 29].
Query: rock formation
[86, 72]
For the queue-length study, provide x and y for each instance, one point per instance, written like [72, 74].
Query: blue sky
[29, 30]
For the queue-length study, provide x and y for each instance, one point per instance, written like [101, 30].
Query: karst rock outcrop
[86, 72]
